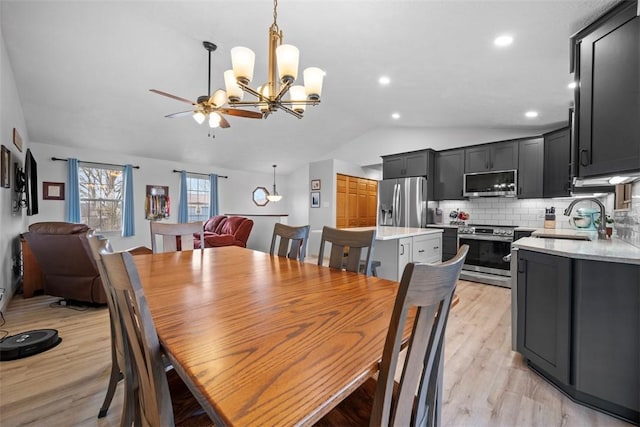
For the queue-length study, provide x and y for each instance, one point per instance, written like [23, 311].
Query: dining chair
[415, 400]
[293, 241]
[119, 368]
[174, 236]
[347, 247]
[154, 393]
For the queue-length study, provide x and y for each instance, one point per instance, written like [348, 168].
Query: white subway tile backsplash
[527, 212]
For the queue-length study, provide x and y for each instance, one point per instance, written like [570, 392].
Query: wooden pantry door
[356, 201]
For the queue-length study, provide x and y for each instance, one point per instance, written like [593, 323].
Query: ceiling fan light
[298, 93]
[214, 120]
[242, 61]
[313, 77]
[199, 117]
[219, 98]
[234, 92]
[287, 58]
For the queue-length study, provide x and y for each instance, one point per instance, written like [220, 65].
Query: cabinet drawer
[427, 248]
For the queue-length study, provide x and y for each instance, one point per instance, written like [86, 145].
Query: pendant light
[274, 197]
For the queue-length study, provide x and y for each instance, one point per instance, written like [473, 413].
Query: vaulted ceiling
[84, 70]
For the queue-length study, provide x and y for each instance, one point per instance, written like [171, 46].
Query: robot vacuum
[28, 343]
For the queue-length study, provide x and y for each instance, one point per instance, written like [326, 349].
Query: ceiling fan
[210, 105]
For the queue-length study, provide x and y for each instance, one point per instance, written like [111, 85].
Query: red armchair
[221, 230]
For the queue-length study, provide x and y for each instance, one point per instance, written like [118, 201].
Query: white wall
[234, 192]
[11, 224]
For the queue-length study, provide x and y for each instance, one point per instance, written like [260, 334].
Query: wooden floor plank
[485, 383]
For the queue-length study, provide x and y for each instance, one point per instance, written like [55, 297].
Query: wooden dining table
[265, 340]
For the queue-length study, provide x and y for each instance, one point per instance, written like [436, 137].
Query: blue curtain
[72, 213]
[213, 194]
[183, 209]
[128, 217]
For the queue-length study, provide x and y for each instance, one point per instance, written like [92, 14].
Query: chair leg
[114, 379]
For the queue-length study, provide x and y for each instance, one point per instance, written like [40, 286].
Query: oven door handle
[486, 237]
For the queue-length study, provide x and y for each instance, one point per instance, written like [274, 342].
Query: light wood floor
[486, 384]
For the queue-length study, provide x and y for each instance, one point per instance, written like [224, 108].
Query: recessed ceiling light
[531, 114]
[395, 116]
[572, 85]
[384, 80]
[503, 41]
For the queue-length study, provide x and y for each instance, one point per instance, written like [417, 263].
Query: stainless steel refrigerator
[402, 202]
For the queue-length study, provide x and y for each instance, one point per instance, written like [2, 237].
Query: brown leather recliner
[64, 256]
[221, 230]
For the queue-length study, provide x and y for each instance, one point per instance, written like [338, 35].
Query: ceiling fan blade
[241, 113]
[177, 98]
[180, 114]
[223, 122]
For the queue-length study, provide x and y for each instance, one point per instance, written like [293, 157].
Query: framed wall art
[53, 191]
[315, 199]
[315, 184]
[6, 168]
[17, 141]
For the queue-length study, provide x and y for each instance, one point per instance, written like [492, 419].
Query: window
[198, 192]
[101, 197]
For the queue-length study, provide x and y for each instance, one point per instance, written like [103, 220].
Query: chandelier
[274, 197]
[281, 74]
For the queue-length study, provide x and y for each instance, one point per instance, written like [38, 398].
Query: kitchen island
[395, 247]
[576, 318]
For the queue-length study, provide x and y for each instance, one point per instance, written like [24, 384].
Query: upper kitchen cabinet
[557, 163]
[491, 157]
[605, 61]
[415, 163]
[448, 175]
[530, 168]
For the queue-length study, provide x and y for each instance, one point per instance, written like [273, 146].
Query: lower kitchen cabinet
[395, 254]
[449, 242]
[607, 331]
[578, 324]
[544, 311]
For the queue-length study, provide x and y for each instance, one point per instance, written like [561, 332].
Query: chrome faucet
[602, 227]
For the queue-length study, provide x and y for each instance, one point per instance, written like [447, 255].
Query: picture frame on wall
[315, 199]
[5, 169]
[17, 140]
[315, 184]
[53, 191]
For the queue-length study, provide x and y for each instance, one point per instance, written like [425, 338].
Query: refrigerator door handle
[398, 210]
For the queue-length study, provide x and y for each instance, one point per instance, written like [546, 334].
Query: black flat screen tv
[31, 183]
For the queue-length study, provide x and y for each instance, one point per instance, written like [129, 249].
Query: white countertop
[392, 233]
[610, 250]
[559, 233]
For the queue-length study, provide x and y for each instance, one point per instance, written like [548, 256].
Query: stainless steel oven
[488, 247]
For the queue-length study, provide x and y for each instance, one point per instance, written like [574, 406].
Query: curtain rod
[95, 163]
[199, 173]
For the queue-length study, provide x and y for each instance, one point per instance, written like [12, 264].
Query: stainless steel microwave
[486, 184]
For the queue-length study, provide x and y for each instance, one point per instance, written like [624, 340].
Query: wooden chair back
[171, 234]
[429, 288]
[142, 340]
[293, 241]
[100, 245]
[351, 243]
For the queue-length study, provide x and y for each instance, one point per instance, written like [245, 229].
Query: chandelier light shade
[282, 72]
[274, 197]
[234, 92]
